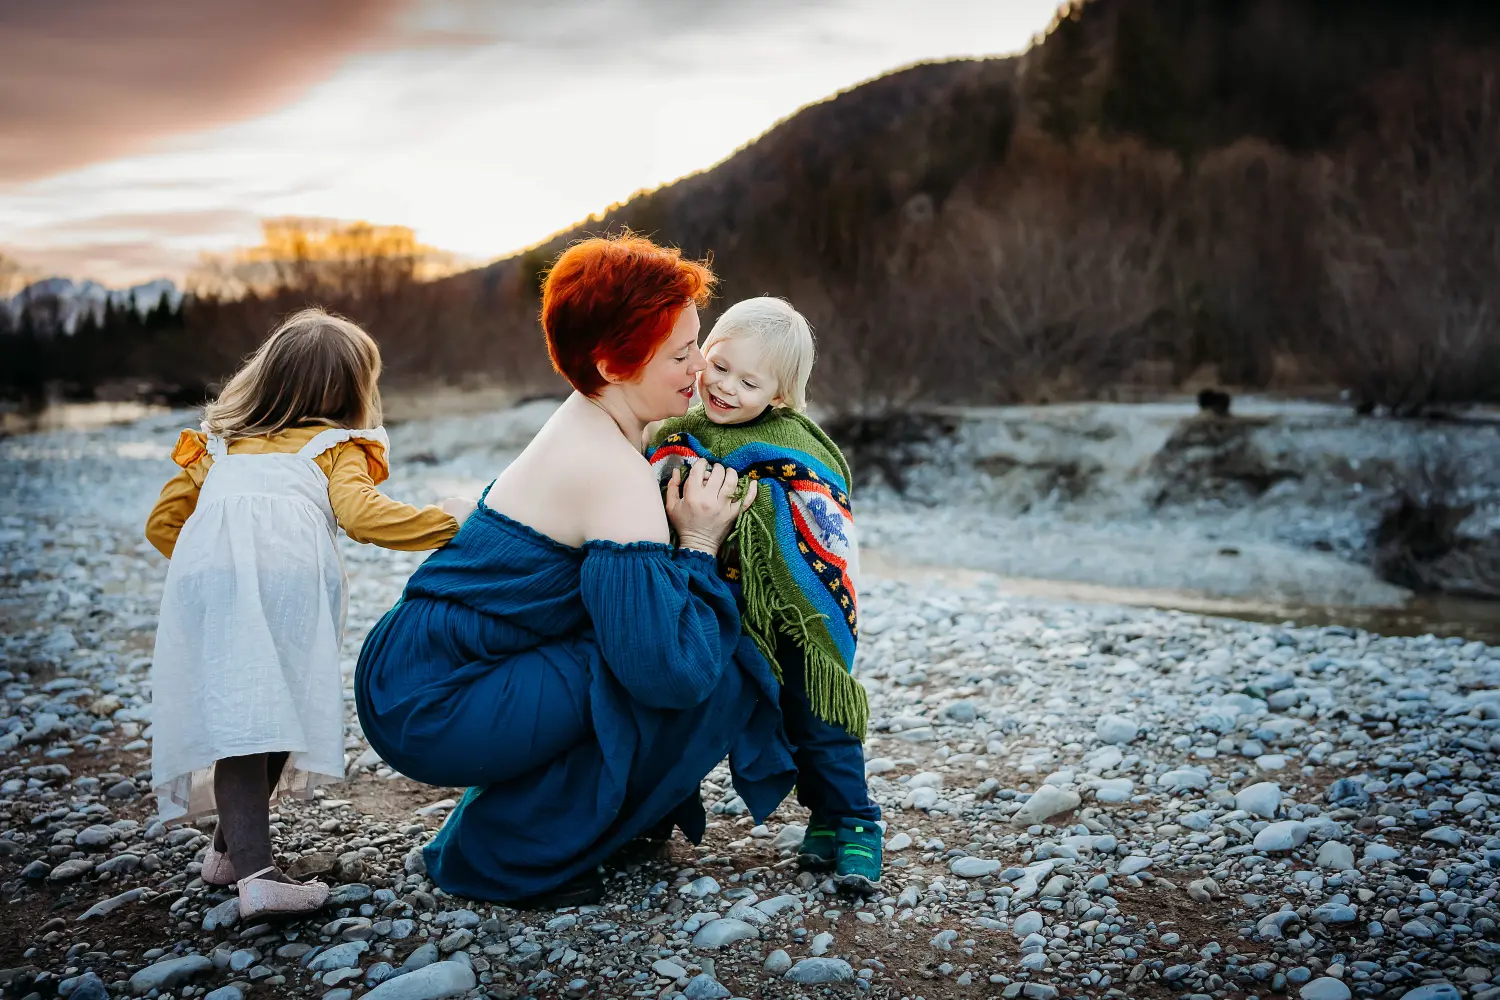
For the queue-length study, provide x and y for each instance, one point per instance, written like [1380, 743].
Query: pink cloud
[88, 80]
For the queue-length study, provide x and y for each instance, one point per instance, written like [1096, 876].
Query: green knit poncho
[793, 553]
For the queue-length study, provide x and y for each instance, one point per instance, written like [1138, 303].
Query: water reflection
[76, 417]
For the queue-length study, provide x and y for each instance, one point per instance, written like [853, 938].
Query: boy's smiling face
[737, 384]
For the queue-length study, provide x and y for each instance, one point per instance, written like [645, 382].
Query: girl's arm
[367, 515]
[179, 498]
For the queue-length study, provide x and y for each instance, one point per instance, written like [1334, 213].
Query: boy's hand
[459, 508]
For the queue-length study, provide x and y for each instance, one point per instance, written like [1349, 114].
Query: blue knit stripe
[817, 593]
[747, 455]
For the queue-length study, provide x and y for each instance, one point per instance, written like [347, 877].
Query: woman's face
[665, 386]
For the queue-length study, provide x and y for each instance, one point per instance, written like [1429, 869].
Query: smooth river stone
[1046, 802]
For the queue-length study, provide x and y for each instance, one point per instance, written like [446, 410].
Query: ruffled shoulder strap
[373, 440]
[190, 447]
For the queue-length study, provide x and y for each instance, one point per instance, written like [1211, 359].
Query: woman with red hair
[562, 658]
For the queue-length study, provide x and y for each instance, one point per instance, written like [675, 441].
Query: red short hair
[614, 300]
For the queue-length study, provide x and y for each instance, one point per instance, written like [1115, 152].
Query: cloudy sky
[138, 134]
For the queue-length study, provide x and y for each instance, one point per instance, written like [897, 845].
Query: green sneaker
[819, 847]
[860, 856]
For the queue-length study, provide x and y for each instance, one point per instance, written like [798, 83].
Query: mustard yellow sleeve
[179, 498]
[368, 515]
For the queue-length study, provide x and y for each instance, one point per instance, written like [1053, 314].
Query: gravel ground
[1081, 801]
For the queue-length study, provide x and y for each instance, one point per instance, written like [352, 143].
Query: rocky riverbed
[1081, 800]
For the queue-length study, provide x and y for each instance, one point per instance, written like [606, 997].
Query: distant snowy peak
[74, 299]
[148, 295]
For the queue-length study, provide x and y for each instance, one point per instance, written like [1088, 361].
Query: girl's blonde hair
[315, 368]
[785, 336]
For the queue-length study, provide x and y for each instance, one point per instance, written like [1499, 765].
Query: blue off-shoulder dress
[580, 694]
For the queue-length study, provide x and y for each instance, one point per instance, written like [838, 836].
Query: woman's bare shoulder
[622, 501]
[577, 481]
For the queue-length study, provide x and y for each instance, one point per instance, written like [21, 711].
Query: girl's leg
[243, 792]
[274, 763]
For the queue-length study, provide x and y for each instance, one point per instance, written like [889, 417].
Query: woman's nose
[696, 363]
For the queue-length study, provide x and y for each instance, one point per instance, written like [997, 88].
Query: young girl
[792, 563]
[245, 678]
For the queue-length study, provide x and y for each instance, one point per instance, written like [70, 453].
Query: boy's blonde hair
[315, 368]
[785, 335]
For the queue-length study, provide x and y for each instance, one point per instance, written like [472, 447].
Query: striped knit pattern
[795, 547]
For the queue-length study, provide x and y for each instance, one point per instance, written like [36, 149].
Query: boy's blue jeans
[830, 761]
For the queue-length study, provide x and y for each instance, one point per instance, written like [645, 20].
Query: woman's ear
[606, 374]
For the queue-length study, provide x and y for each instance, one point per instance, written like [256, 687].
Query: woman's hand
[703, 508]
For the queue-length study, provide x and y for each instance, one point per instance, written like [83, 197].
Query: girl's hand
[459, 508]
[703, 507]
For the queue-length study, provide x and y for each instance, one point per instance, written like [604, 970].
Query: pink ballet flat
[261, 897]
[217, 868]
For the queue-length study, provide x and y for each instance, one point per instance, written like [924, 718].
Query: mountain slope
[797, 211]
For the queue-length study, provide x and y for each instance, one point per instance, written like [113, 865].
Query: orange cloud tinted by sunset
[87, 80]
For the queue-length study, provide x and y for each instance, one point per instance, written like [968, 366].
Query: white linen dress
[252, 617]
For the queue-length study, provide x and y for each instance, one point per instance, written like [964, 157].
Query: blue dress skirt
[580, 694]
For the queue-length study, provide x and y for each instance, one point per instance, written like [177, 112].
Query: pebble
[705, 987]
[1334, 855]
[1286, 835]
[1027, 924]
[721, 933]
[225, 914]
[70, 871]
[1047, 802]
[974, 867]
[1116, 729]
[778, 962]
[1114, 790]
[97, 836]
[779, 904]
[701, 888]
[790, 836]
[434, 982]
[1326, 988]
[669, 970]
[89, 987]
[813, 971]
[340, 956]
[1262, 799]
[1183, 779]
[1434, 991]
[170, 974]
[110, 905]
[421, 957]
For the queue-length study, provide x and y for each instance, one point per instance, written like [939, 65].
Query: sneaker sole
[814, 863]
[561, 898]
[857, 884]
[639, 852]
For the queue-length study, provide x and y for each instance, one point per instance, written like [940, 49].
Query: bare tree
[1411, 245]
